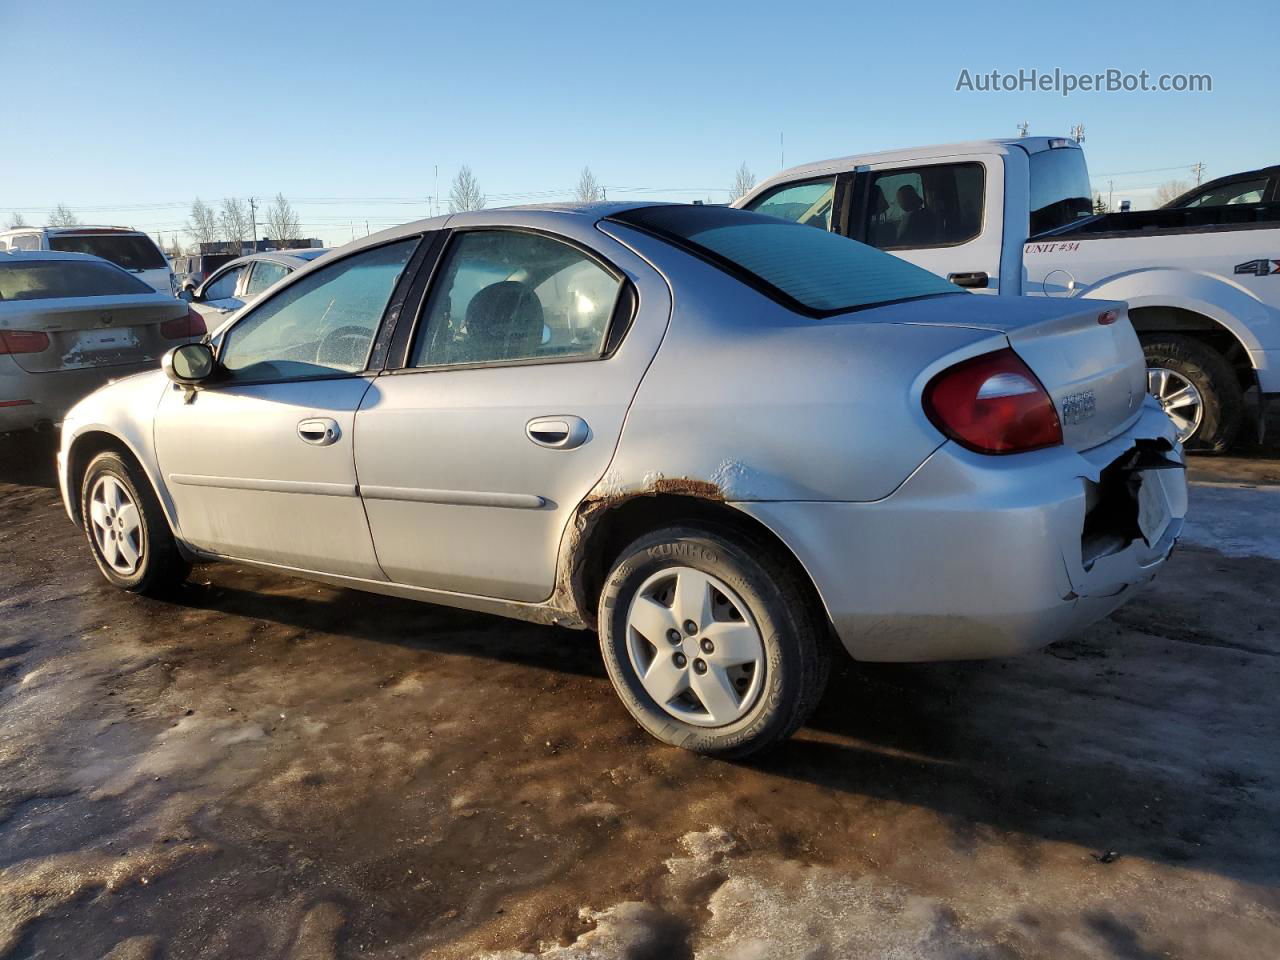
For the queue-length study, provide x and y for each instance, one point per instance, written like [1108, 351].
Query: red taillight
[23, 341]
[192, 325]
[993, 404]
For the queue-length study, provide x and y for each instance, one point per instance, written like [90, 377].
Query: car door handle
[558, 433]
[977, 279]
[320, 431]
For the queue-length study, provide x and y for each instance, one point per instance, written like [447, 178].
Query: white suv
[125, 247]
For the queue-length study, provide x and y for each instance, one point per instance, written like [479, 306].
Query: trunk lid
[1095, 372]
[92, 331]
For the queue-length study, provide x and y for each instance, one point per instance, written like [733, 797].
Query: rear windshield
[47, 279]
[129, 250]
[1059, 189]
[819, 273]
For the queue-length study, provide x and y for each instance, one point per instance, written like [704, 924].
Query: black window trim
[863, 192]
[760, 285]
[402, 351]
[368, 369]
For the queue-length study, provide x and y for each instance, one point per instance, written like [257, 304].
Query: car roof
[292, 258]
[51, 255]
[82, 228]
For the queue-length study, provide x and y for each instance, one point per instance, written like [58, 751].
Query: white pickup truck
[1015, 217]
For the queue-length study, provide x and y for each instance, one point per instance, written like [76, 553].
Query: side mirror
[187, 294]
[188, 364]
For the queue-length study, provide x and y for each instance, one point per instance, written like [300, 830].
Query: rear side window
[1060, 192]
[48, 279]
[265, 273]
[930, 206]
[507, 295]
[129, 250]
[808, 203]
[816, 272]
[1241, 191]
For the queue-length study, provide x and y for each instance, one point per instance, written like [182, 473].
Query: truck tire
[1197, 388]
[711, 643]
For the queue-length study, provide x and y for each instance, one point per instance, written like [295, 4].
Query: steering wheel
[344, 347]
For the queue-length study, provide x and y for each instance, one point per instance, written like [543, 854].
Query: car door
[220, 295]
[507, 405]
[945, 215]
[259, 462]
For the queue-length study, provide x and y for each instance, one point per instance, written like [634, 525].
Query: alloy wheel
[1179, 398]
[695, 647]
[117, 527]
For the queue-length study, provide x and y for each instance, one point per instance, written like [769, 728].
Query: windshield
[129, 250]
[47, 279]
[813, 270]
[1059, 189]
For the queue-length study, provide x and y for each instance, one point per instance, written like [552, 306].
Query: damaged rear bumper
[977, 556]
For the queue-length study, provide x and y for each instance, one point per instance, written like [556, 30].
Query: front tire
[1197, 389]
[711, 643]
[127, 529]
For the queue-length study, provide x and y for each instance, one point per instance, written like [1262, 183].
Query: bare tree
[588, 187]
[1170, 190]
[61, 216]
[743, 181]
[465, 193]
[202, 225]
[17, 220]
[282, 221]
[234, 223]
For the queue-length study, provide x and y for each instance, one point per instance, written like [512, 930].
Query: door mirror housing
[189, 364]
[187, 294]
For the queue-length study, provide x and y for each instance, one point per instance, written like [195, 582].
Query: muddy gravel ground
[266, 768]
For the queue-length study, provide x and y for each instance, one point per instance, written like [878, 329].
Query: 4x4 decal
[1260, 268]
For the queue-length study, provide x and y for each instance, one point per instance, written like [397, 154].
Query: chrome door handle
[558, 433]
[320, 431]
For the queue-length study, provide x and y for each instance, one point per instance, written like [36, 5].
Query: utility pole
[435, 194]
[1111, 189]
[1023, 127]
[1198, 170]
[253, 218]
[782, 149]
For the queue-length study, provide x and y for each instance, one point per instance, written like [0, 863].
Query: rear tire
[746, 676]
[126, 527]
[1209, 373]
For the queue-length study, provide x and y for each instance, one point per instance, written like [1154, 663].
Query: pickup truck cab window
[1060, 191]
[925, 206]
[809, 203]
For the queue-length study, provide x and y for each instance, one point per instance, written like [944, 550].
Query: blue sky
[127, 111]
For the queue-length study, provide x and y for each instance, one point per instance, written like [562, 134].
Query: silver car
[69, 322]
[722, 440]
[243, 280]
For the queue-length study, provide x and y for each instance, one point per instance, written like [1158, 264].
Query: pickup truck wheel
[1197, 389]
[127, 530]
[711, 644]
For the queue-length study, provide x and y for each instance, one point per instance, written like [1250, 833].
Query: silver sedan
[69, 322]
[722, 440]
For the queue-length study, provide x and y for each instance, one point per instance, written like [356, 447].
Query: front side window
[1242, 191]
[25, 241]
[321, 325]
[49, 279]
[813, 271]
[808, 203]
[224, 286]
[131, 251]
[265, 273]
[934, 206]
[504, 295]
